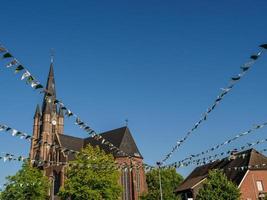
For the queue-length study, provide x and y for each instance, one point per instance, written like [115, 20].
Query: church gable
[128, 144]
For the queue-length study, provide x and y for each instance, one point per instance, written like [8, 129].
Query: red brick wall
[133, 179]
[248, 187]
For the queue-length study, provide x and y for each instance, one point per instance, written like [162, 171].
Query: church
[48, 126]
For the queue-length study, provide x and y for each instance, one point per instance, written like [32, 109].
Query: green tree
[92, 176]
[170, 180]
[28, 183]
[218, 187]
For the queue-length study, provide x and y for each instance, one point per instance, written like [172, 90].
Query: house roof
[251, 158]
[120, 137]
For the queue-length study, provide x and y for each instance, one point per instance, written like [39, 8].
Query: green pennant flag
[19, 68]
[29, 79]
[39, 86]
[7, 55]
[263, 46]
[254, 57]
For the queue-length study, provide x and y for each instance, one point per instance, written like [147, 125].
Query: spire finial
[52, 55]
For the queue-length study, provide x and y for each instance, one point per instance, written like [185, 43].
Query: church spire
[50, 95]
[37, 111]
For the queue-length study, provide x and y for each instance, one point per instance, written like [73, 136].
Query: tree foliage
[170, 180]
[28, 183]
[218, 187]
[92, 176]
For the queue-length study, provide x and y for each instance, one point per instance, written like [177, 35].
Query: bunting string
[235, 157]
[43, 163]
[36, 85]
[215, 156]
[22, 135]
[244, 69]
[218, 146]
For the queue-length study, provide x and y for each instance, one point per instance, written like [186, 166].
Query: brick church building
[49, 127]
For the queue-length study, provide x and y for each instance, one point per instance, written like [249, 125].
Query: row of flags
[244, 167]
[22, 135]
[218, 146]
[34, 83]
[244, 69]
[204, 160]
[118, 166]
[14, 64]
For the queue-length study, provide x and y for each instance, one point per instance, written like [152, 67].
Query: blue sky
[158, 63]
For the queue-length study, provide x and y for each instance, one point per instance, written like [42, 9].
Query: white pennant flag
[2, 128]
[34, 83]
[12, 63]
[25, 75]
[14, 132]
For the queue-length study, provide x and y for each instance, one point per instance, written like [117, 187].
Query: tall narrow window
[259, 186]
[125, 179]
[57, 177]
[138, 182]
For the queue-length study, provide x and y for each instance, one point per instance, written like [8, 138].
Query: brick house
[49, 127]
[247, 169]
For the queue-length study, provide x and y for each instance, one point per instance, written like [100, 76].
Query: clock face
[54, 122]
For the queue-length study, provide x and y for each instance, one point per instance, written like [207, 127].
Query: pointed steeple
[37, 111]
[50, 85]
[50, 96]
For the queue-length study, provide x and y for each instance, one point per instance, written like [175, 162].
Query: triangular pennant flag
[236, 78]
[7, 55]
[19, 68]
[39, 86]
[254, 57]
[245, 68]
[263, 46]
[25, 75]
[14, 132]
[29, 79]
[12, 63]
[34, 84]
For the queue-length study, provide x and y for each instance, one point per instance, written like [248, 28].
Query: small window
[259, 185]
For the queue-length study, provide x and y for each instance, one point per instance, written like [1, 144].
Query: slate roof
[120, 137]
[72, 143]
[243, 159]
